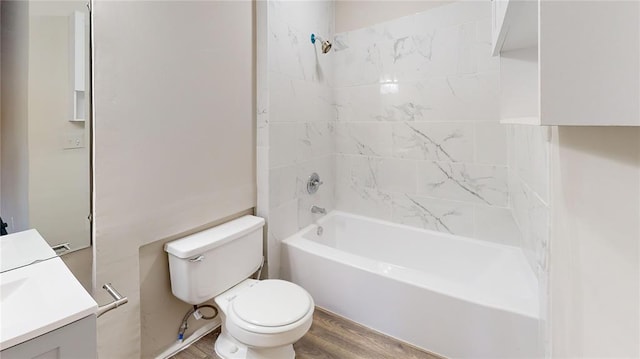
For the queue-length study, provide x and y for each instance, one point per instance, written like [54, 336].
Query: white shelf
[515, 25]
[521, 121]
[568, 63]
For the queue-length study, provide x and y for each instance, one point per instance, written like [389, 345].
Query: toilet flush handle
[197, 259]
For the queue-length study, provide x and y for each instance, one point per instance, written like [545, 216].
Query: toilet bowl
[262, 319]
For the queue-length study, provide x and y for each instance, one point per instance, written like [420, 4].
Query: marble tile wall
[296, 122]
[529, 153]
[417, 136]
[529, 189]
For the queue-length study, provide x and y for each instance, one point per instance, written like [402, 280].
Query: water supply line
[195, 311]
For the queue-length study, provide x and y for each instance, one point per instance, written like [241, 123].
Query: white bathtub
[458, 297]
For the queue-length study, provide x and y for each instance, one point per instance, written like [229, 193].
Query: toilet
[261, 319]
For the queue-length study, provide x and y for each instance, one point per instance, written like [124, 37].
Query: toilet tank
[205, 264]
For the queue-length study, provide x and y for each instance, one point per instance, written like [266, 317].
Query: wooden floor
[330, 337]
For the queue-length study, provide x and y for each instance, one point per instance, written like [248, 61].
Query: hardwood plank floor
[330, 337]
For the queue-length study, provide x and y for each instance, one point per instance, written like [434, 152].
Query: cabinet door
[73, 341]
[590, 63]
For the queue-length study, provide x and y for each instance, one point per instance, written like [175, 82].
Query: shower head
[326, 45]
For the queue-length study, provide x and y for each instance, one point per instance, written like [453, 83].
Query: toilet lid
[272, 303]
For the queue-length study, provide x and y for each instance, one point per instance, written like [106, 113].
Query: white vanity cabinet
[72, 341]
[574, 63]
[45, 312]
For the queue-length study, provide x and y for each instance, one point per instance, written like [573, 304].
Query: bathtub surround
[528, 149]
[529, 195]
[295, 117]
[417, 135]
[174, 143]
[410, 133]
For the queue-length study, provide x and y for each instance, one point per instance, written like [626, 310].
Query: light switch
[73, 141]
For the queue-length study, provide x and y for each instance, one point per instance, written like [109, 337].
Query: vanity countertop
[23, 248]
[37, 298]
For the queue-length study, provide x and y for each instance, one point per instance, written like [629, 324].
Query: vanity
[45, 312]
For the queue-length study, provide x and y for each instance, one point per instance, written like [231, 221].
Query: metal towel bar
[118, 300]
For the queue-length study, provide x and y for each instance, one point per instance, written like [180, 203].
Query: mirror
[45, 123]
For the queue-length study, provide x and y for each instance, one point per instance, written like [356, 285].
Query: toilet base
[228, 348]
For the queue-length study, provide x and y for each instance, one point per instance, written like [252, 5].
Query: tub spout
[316, 209]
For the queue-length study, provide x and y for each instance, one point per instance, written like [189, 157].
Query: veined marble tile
[364, 138]
[385, 174]
[262, 181]
[315, 139]
[435, 214]
[532, 217]
[295, 100]
[463, 98]
[325, 167]
[262, 127]
[467, 53]
[364, 201]
[357, 65]
[456, 98]
[464, 182]
[285, 51]
[497, 225]
[486, 62]
[388, 30]
[441, 41]
[445, 141]
[262, 97]
[490, 143]
[386, 101]
[283, 185]
[531, 151]
[292, 53]
[283, 149]
[306, 201]
[282, 223]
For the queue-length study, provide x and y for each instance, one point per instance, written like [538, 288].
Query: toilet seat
[269, 313]
[270, 306]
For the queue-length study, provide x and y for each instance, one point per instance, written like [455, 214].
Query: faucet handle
[313, 183]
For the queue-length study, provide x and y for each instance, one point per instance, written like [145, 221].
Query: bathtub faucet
[316, 209]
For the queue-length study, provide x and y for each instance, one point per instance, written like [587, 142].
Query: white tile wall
[417, 135]
[298, 118]
[401, 121]
[529, 188]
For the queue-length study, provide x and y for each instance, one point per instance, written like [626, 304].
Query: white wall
[595, 258]
[14, 152]
[174, 138]
[356, 14]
